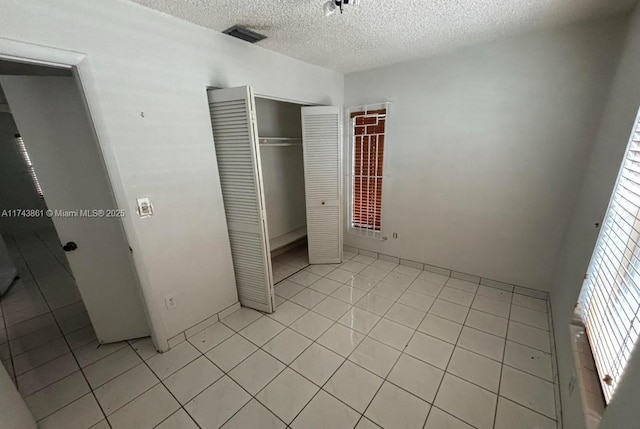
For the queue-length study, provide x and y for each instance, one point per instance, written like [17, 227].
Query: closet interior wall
[280, 136]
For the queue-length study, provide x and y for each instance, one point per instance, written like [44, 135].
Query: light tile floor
[364, 344]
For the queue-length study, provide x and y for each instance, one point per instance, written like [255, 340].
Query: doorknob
[70, 246]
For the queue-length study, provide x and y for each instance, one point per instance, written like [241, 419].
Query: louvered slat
[322, 148]
[235, 141]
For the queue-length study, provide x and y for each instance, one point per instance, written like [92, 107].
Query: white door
[57, 132]
[235, 137]
[322, 149]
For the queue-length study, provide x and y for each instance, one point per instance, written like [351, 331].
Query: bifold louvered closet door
[236, 142]
[322, 148]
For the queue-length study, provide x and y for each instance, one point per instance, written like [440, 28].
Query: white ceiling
[379, 32]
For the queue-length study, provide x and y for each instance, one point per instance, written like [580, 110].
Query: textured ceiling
[379, 32]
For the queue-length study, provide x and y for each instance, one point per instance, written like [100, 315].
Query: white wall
[144, 61]
[593, 197]
[16, 187]
[282, 166]
[487, 146]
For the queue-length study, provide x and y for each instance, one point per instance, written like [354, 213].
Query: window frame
[376, 234]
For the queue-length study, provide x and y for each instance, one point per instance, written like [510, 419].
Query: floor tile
[348, 294]
[326, 286]
[311, 325]
[287, 289]
[438, 419]
[165, 364]
[46, 374]
[426, 287]
[417, 377]
[375, 304]
[456, 296]
[145, 411]
[430, 349]
[385, 265]
[529, 317]
[341, 276]
[487, 322]
[526, 359]
[495, 293]
[340, 339]
[287, 313]
[287, 345]
[529, 336]
[365, 423]
[462, 285]
[38, 356]
[111, 366]
[332, 308]
[375, 356]
[57, 395]
[125, 388]
[287, 395]
[416, 300]
[467, 401]
[304, 278]
[407, 270]
[482, 343]
[443, 329]
[189, 381]
[231, 352]
[317, 363]
[256, 371]
[144, 347]
[509, 412]
[308, 298]
[365, 259]
[448, 310]
[359, 320]
[325, 412]
[475, 368]
[433, 277]
[34, 339]
[90, 353]
[387, 290]
[241, 318]
[254, 415]
[405, 315]
[396, 278]
[376, 273]
[210, 337]
[82, 413]
[321, 270]
[362, 282]
[180, 419]
[528, 390]
[492, 306]
[262, 330]
[391, 333]
[81, 337]
[217, 403]
[353, 266]
[394, 408]
[353, 385]
[529, 302]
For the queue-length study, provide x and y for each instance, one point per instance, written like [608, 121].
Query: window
[27, 161]
[367, 125]
[610, 299]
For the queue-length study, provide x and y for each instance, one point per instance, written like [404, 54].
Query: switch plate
[170, 300]
[145, 208]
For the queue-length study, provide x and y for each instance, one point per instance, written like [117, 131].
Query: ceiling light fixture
[332, 5]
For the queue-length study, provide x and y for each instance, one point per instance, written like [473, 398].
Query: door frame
[76, 62]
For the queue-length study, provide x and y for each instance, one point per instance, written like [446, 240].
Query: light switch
[145, 208]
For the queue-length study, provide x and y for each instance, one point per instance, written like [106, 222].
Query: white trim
[14, 50]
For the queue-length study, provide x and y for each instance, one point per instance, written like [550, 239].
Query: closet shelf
[280, 141]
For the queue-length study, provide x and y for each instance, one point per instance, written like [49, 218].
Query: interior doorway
[76, 254]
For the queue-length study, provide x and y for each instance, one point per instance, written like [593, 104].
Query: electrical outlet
[395, 235]
[170, 300]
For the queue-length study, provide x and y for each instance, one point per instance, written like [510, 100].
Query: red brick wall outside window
[368, 153]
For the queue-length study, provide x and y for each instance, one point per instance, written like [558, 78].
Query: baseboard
[534, 293]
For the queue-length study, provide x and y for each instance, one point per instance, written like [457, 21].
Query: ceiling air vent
[244, 33]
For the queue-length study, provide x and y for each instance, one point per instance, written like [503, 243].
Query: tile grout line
[504, 350]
